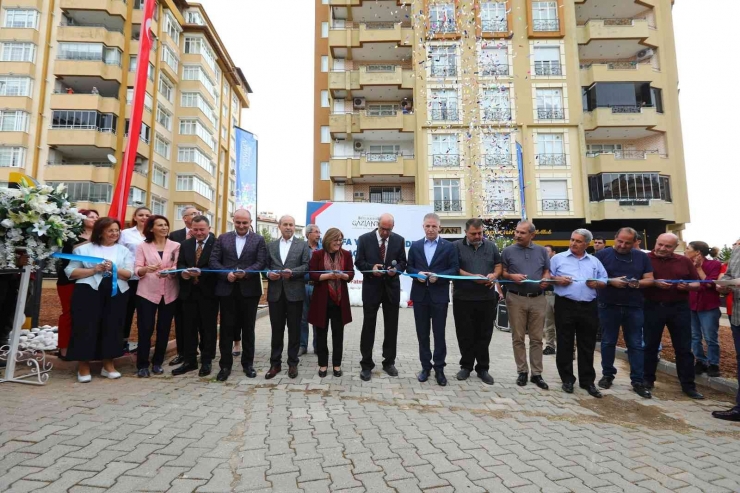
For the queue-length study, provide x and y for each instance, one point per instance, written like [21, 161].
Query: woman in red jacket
[330, 300]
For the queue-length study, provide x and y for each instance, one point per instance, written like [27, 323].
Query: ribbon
[92, 260]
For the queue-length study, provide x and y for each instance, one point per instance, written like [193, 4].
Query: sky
[274, 47]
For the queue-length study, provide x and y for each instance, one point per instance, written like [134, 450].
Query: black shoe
[223, 374]
[322, 373]
[274, 370]
[700, 367]
[177, 360]
[522, 380]
[606, 382]
[249, 372]
[548, 351]
[731, 415]
[337, 373]
[366, 375]
[713, 371]
[143, 373]
[593, 390]
[439, 375]
[694, 394]
[423, 375]
[302, 351]
[463, 374]
[157, 370]
[485, 377]
[641, 391]
[390, 370]
[649, 385]
[540, 382]
[292, 371]
[568, 387]
[184, 368]
[205, 370]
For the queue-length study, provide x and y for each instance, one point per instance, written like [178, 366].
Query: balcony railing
[88, 57]
[381, 113]
[629, 154]
[547, 67]
[494, 70]
[501, 205]
[546, 25]
[444, 115]
[443, 70]
[381, 157]
[552, 159]
[448, 206]
[550, 114]
[496, 160]
[442, 27]
[97, 164]
[85, 93]
[618, 22]
[619, 109]
[446, 160]
[497, 114]
[379, 25]
[494, 26]
[555, 205]
[380, 68]
[104, 26]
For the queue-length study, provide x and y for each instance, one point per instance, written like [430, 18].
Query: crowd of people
[559, 301]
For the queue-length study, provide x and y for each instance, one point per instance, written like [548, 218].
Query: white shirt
[131, 238]
[240, 242]
[380, 242]
[285, 248]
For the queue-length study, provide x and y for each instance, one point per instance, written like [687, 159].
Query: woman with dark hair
[131, 238]
[66, 286]
[705, 311]
[330, 300]
[97, 315]
[156, 293]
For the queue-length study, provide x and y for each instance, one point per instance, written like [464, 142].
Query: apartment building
[427, 101]
[67, 70]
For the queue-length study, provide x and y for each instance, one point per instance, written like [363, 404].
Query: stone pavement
[341, 434]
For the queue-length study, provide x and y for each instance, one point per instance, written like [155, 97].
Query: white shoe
[110, 374]
[84, 378]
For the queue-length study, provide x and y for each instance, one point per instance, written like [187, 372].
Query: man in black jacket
[380, 250]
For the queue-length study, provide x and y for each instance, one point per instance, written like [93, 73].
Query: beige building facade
[426, 102]
[67, 70]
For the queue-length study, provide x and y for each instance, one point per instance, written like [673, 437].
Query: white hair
[585, 233]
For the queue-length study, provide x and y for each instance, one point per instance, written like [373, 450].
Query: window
[148, 102]
[89, 52]
[224, 132]
[19, 18]
[382, 110]
[194, 72]
[194, 17]
[145, 133]
[497, 150]
[164, 117]
[196, 100]
[84, 120]
[447, 196]
[500, 196]
[324, 99]
[443, 61]
[550, 150]
[545, 16]
[385, 195]
[198, 45]
[195, 127]
[496, 104]
[325, 135]
[15, 86]
[192, 183]
[86, 191]
[493, 17]
[159, 206]
[325, 174]
[324, 63]
[166, 88]
[550, 104]
[442, 18]
[547, 60]
[445, 151]
[136, 196]
[656, 95]
[324, 29]
[133, 63]
[159, 176]
[12, 157]
[13, 121]
[593, 150]
[554, 195]
[172, 28]
[195, 155]
[629, 186]
[169, 57]
[494, 61]
[383, 153]
[444, 105]
[161, 146]
[17, 52]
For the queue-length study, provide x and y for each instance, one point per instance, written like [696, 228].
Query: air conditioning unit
[359, 145]
[645, 54]
[358, 103]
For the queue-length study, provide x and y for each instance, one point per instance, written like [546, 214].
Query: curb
[720, 384]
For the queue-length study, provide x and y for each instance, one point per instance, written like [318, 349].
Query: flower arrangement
[37, 220]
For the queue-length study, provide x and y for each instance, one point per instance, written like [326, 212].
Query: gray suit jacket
[297, 261]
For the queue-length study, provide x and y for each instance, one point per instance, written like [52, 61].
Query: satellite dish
[112, 158]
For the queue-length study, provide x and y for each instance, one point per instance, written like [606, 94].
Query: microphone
[393, 264]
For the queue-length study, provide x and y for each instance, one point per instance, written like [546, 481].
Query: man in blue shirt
[577, 276]
[620, 304]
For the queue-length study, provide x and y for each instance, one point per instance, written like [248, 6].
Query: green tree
[725, 253]
[266, 235]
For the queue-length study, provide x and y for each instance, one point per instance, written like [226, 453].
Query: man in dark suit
[287, 259]
[428, 258]
[198, 298]
[180, 235]
[380, 250]
[238, 292]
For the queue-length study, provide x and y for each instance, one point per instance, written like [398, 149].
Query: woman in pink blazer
[156, 292]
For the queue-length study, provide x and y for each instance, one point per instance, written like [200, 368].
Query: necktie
[382, 250]
[198, 252]
[189, 235]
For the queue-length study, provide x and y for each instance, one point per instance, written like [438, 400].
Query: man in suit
[287, 261]
[239, 291]
[197, 298]
[188, 214]
[380, 250]
[428, 258]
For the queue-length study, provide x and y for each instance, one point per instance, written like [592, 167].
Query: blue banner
[246, 172]
[520, 165]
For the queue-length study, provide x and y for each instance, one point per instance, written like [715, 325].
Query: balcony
[497, 114]
[366, 120]
[497, 160]
[550, 114]
[24, 103]
[91, 34]
[618, 71]
[494, 26]
[612, 30]
[546, 25]
[81, 137]
[113, 7]
[494, 70]
[96, 171]
[626, 210]
[372, 75]
[636, 160]
[88, 68]
[500, 206]
[75, 101]
[548, 68]
[444, 115]
[372, 164]
[552, 160]
[19, 35]
[448, 206]
[622, 116]
[445, 160]
[354, 35]
[555, 205]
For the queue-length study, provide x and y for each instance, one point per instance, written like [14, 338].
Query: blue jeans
[705, 325]
[736, 338]
[304, 319]
[631, 319]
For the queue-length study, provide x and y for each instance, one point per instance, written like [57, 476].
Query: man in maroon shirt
[667, 304]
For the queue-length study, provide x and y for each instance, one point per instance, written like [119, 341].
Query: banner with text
[245, 194]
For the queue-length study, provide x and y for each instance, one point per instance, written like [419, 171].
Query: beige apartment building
[426, 101]
[67, 70]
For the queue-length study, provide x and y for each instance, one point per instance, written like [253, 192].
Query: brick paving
[188, 434]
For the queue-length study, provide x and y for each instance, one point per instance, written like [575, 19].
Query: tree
[725, 253]
[266, 235]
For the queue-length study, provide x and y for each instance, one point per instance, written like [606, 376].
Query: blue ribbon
[92, 260]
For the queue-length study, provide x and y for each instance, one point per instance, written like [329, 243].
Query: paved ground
[189, 434]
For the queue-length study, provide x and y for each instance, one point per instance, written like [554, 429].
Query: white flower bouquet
[37, 220]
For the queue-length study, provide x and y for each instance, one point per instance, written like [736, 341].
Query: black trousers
[97, 322]
[390, 332]
[130, 309]
[200, 315]
[8, 298]
[474, 328]
[579, 321]
[333, 316]
[677, 317]
[238, 315]
[149, 316]
[281, 312]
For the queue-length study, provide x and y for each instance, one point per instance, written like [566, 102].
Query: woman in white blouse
[131, 238]
[97, 316]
